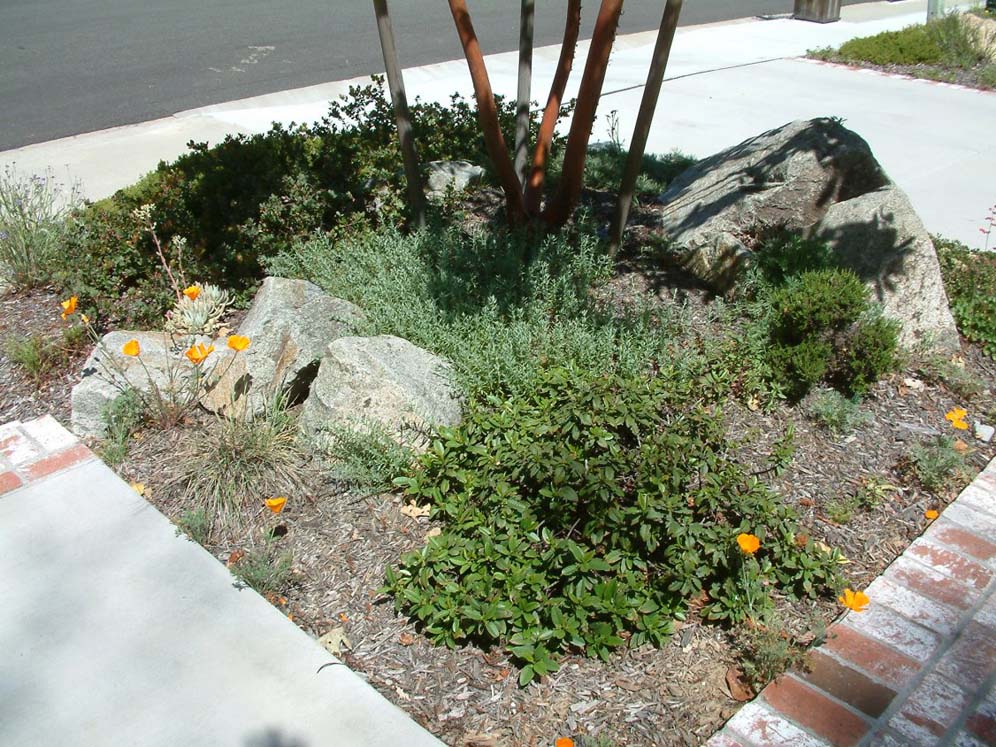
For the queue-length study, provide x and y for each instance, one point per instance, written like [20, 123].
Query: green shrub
[123, 416]
[366, 457]
[823, 328]
[937, 464]
[33, 226]
[838, 414]
[474, 300]
[250, 197]
[265, 569]
[948, 41]
[970, 282]
[588, 512]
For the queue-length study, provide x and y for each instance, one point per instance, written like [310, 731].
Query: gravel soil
[677, 695]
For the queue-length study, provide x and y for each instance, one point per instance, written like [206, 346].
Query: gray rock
[458, 175]
[383, 380]
[984, 432]
[160, 371]
[816, 178]
[880, 237]
[290, 324]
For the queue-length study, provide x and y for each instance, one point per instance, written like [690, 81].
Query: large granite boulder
[814, 178]
[881, 238]
[290, 324]
[160, 367]
[456, 175]
[383, 380]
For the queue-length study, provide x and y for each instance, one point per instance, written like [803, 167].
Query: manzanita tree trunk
[396, 83]
[572, 178]
[544, 139]
[524, 93]
[487, 113]
[645, 118]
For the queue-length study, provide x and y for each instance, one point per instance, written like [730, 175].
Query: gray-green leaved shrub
[587, 513]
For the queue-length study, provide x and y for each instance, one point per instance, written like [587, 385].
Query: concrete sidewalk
[726, 82]
[116, 631]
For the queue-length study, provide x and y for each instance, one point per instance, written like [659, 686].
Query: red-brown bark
[534, 186]
[487, 112]
[563, 204]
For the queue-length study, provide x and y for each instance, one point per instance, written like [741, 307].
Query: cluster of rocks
[303, 350]
[819, 179]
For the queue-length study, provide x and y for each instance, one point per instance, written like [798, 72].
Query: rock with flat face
[385, 381]
[160, 370]
[814, 178]
[290, 324]
[880, 237]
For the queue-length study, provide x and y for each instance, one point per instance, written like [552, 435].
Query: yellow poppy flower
[957, 418]
[749, 544]
[276, 505]
[85, 318]
[68, 307]
[197, 353]
[131, 348]
[192, 292]
[854, 600]
[238, 342]
[931, 514]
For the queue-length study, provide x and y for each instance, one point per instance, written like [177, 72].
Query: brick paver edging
[37, 449]
[917, 667]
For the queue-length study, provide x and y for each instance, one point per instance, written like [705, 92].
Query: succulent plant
[200, 315]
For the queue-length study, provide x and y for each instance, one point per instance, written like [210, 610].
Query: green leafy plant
[970, 282]
[873, 491]
[586, 513]
[196, 523]
[123, 417]
[365, 456]
[937, 464]
[840, 415]
[767, 650]
[34, 212]
[265, 569]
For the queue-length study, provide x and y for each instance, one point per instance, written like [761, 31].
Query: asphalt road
[73, 66]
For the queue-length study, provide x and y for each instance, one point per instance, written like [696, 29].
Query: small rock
[984, 432]
[456, 174]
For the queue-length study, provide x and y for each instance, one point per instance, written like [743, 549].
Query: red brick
[982, 726]
[951, 564]
[964, 512]
[899, 632]
[929, 613]
[9, 481]
[962, 540]
[886, 664]
[971, 658]
[58, 462]
[762, 726]
[930, 710]
[848, 684]
[722, 739]
[930, 583]
[811, 708]
[980, 498]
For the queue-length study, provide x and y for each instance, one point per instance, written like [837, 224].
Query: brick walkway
[31, 451]
[917, 667]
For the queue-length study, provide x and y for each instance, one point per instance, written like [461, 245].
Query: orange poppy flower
[238, 342]
[192, 292]
[197, 353]
[957, 418]
[749, 544]
[564, 742]
[68, 307]
[931, 514]
[131, 348]
[276, 505]
[854, 600]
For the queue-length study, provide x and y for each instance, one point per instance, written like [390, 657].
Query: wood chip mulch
[677, 695]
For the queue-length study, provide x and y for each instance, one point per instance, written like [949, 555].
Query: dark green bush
[250, 197]
[586, 514]
[910, 46]
[970, 282]
[822, 327]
